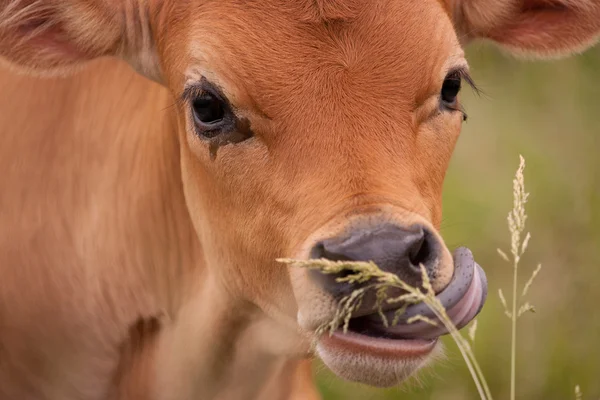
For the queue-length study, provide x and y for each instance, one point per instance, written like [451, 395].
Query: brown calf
[140, 221]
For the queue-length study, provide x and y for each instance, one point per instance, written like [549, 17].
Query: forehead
[275, 48]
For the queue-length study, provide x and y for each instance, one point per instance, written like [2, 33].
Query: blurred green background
[550, 113]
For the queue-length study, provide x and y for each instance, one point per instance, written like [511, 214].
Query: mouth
[380, 347]
[462, 299]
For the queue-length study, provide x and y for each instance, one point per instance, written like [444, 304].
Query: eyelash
[466, 77]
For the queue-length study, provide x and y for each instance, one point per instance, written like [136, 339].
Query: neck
[218, 347]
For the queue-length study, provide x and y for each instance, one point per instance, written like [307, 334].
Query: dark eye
[450, 89]
[208, 110]
[211, 112]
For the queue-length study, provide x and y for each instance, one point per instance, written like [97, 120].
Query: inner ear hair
[55, 36]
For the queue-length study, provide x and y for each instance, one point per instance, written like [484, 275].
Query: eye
[209, 111]
[450, 89]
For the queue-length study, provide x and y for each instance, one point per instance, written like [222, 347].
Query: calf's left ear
[535, 28]
[54, 36]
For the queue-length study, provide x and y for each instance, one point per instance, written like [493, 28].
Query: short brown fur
[135, 264]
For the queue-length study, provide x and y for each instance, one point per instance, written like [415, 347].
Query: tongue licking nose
[463, 299]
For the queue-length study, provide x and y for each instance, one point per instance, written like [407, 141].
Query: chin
[375, 361]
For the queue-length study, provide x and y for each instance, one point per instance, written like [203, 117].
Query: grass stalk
[513, 339]
[516, 225]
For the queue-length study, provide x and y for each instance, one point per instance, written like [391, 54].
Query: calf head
[308, 129]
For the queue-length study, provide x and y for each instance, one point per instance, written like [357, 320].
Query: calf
[142, 212]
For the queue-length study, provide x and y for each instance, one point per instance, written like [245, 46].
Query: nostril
[328, 251]
[420, 251]
[318, 251]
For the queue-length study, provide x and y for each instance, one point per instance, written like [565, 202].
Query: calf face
[307, 129]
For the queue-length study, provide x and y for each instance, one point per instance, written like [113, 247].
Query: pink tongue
[463, 298]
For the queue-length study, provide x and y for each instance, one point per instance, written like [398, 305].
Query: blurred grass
[549, 112]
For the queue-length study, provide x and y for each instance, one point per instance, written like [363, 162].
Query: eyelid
[465, 75]
[458, 108]
[195, 89]
[190, 92]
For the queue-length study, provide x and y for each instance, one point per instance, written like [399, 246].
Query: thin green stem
[480, 373]
[465, 349]
[513, 352]
[466, 353]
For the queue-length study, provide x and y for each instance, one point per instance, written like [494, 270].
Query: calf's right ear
[54, 36]
[533, 28]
